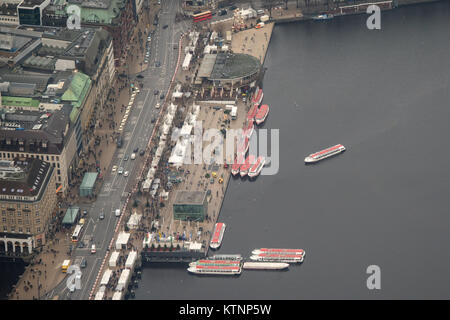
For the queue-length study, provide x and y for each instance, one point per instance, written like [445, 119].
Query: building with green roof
[77, 94]
[71, 216]
[87, 185]
[19, 102]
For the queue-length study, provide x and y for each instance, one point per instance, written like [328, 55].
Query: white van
[133, 156]
[117, 212]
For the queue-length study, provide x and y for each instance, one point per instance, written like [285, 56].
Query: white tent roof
[106, 276]
[124, 276]
[134, 220]
[117, 295]
[131, 259]
[122, 239]
[113, 259]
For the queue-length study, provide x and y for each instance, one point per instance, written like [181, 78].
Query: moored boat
[326, 153]
[255, 170]
[288, 258]
[217, 236]
[212, 262]
[279, 251]
[252, 112]
[257, 98]
[226, 257]
[262, 113]
[249, 162]
[218, 270]
[248, 131]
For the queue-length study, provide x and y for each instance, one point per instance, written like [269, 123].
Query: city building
[8, 14]
[190, 205]
[30, 11]
[27, 204]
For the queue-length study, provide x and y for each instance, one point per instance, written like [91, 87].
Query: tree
[286, 3]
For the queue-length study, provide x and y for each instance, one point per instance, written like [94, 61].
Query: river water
[385, 201]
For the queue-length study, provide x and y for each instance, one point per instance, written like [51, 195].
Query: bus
[202, 16]
[76, 234]
[65, 265]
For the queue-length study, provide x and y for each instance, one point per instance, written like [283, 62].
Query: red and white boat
[279, 251]
[262, 113]
[243, 147]
[221, 270]
[255, 170]
[328, 152]
[248, 131]
[249, 162]
[257, 98]
[217, 236]
[252, 112]
[212, 262]
[235, 167]
[288, 258]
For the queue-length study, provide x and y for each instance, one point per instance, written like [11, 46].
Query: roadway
[136, 134]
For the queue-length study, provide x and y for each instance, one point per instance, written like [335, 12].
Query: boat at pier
[248, 131]
[211, 262]
[326, 153]
[265, 265]
[236, 167]
[247, 165]
[262, 113]
[268, 257]
[255, 170]
[217, 237]
[243, 146]
[257, 98]
[218, 270]
[279, 251]
[226, 257]
[252, 112]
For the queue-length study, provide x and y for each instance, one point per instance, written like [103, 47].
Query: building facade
[27, 204]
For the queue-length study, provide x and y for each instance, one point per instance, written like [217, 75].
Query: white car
[126, 173]
[158, 105]
[93, 250]
[120, 170]
[114, 169]
[133, 156]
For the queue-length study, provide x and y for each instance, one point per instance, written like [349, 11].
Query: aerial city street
[135, 157]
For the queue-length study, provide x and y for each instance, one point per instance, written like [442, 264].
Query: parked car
[140, 76]
[142, 152]
[136, 149]
[155, 92]
[157, 64]
[223, 12]
[85, 213]
[158, 105]
[125, 158]
[133, 156]
[83, 263]
[165, 26]
[162, 96]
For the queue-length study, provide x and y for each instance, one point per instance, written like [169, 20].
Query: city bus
[202, 16]
[65, 265]
[77, 233]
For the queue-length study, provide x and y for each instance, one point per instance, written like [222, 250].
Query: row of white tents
[181, 152]
[167, 124]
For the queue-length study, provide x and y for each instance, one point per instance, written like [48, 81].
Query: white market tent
[123, 280]
[100, 293]
[106, 277]
[113, 259]
[134, 220]
[122, 240]
[131, 260]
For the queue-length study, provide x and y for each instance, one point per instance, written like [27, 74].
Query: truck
[234, 113]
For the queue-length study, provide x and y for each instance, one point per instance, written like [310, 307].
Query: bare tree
[269, 5]
[286, 3]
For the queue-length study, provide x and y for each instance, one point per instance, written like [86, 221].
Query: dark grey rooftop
[230, 66]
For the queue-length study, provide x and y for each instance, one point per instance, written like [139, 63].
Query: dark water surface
[385, 96]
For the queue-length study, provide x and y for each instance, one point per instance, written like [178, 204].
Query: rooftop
[23, 176]
[229, 66]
